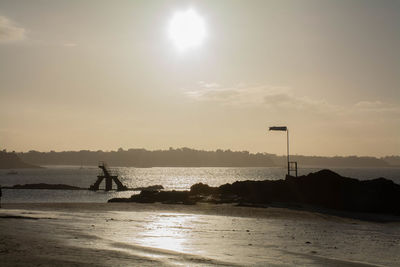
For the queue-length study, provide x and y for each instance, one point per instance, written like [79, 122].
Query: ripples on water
[170, 178]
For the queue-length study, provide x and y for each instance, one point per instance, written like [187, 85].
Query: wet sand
[129, 234]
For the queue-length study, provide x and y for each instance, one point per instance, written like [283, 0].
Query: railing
[292, 167]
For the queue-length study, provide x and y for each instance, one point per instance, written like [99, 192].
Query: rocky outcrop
[167, 197]
[324, 189]
[203, 189]
[45, 186]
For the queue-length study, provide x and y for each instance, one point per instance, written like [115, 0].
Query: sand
[130, 234]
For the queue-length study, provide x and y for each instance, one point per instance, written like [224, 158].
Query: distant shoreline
[187, 157]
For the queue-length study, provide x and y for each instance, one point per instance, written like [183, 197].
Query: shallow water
[170, 178]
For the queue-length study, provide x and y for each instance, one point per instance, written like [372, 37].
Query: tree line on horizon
[180, 157]
[187, 157]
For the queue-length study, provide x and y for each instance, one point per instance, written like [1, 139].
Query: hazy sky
[105, 74]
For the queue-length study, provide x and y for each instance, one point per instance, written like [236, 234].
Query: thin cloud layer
[377, 106]
[261, 96]
[279, 98]
[9, 32]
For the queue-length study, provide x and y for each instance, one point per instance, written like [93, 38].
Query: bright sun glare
[187, 29]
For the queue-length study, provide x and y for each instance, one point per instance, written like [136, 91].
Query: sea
[92, 233]
[171, 178]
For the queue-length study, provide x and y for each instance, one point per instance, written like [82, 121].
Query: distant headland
[12, 161]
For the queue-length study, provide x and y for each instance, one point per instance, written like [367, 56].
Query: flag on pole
[278, 128]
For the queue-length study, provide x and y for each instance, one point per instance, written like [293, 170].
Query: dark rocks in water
[149, 188]
[202, 189]
[325, 189]
[167, 197]
[330, 190]
[45, 186]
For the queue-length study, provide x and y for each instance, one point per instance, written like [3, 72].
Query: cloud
[10, 32]
[377, 107]
[272, 97]
[287, 100]
[276, 98]
[368, 104]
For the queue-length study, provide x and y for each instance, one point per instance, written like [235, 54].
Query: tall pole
[288, 164]
[284, 128]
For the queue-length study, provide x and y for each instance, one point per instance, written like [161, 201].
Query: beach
[131, 234]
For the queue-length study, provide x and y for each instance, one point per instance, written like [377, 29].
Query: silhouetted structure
[109, 177]
[291, 165]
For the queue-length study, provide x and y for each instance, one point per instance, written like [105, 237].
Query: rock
[321, 189]
[202, 189]
[167, 197]
[324, 189]
[45, 186]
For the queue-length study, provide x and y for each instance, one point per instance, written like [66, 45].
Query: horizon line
[205, 150]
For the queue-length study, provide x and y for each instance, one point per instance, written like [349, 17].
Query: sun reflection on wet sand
[174, 238]
[168, 231]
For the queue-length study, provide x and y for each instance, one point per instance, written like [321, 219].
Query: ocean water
[171, 178]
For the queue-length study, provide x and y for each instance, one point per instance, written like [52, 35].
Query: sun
[187, 29]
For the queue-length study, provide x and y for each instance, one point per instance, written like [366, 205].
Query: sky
[106, 74]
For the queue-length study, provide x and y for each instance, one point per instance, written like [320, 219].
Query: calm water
[170, 178]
